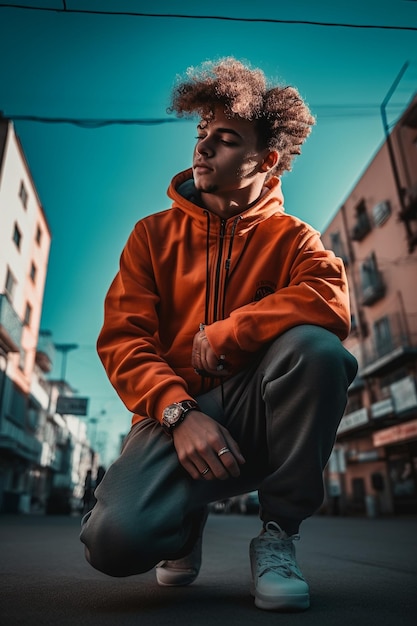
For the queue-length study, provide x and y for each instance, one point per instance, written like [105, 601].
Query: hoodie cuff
[173, 394]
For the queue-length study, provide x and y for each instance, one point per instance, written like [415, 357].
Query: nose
[204, 147]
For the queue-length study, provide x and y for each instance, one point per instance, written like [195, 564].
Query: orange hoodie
[248, 278]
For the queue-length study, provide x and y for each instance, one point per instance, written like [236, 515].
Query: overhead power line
[327, 111]
[91, 123]
[251, 20]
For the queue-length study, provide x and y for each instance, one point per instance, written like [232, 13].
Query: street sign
[71, 405]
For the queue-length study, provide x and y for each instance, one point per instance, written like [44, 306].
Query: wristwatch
[175, 413]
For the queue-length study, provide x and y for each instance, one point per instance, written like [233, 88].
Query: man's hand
[204, 360]
[206, 449]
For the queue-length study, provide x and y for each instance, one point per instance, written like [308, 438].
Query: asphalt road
[362, 572]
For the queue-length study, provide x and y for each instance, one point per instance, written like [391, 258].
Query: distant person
[100, 475]
[222, 335]
[88, 495]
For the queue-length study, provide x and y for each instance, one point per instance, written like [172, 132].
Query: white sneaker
[184, 571]
[180, 572]
[278, 583]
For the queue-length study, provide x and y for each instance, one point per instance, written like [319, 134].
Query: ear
[270, 161]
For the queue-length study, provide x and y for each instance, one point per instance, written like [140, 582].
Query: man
[222, 335]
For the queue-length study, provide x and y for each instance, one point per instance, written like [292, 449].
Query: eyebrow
[229, 131]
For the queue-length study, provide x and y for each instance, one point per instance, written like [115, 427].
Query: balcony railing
[361, 228]
[409, 210]
[402, 398]
[397, 348]
[45, 351]
[10, 326]
[20, 442]
[374, 290]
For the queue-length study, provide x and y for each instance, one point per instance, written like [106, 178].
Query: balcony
[45, 351]
[400, 402]
[16, 441]
[10, 326]
[351, 421]
[374, 290]
[409, 211]
[361, 228]
[382, 409]
[381, 357]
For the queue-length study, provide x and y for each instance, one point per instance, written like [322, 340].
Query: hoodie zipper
[218, 270]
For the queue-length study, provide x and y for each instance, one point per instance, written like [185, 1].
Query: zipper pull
[222, 229]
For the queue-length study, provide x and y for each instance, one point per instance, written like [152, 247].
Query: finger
[194, 469]
[208, 358]
[205, 471]
[200, 469]
[208, 466]
[234, 449]
[211, 363]
[229, 462]
[222, 470]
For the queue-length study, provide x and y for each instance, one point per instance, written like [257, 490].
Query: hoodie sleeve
[316, 292]
[128, 341]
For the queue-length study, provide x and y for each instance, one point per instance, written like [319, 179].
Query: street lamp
[64, 348]
[94, 421]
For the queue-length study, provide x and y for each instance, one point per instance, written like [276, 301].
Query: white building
[44, 456]
[24, 252]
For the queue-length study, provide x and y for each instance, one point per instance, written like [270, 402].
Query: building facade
[24, 252]
[44, 456]
[373, 468]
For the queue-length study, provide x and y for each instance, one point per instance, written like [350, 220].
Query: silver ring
[223, 451]
[205, 471]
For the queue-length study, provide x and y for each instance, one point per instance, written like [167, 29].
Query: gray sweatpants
[283, 411]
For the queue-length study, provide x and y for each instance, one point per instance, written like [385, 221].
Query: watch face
[172, 413]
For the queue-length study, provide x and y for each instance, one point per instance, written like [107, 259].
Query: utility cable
[251, 20]
[89, 123]
[328, 111]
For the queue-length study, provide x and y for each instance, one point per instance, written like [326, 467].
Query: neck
[229, 207]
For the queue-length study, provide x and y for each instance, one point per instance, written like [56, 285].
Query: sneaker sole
[174, 579]
[298, 602]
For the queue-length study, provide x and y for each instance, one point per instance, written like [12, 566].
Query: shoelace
[276, 553]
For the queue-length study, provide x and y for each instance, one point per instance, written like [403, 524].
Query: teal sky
[94, 184]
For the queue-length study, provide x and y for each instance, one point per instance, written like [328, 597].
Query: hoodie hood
[187, 198]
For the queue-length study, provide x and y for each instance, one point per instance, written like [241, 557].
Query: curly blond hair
[284, 121]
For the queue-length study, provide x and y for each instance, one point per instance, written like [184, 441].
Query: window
[38, 235]
[28, 314]
[22, 359]
[337, 246]
[381, 212]
[362, 225]
[17, 236]
[369, 271]
[23, 194]
[373, 287]
[382, 336]
[17, 408]
[33, 272]
[10, 284]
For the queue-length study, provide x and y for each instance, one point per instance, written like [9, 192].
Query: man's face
[226, 155]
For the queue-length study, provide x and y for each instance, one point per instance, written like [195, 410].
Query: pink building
[24, 251]
[374, 465]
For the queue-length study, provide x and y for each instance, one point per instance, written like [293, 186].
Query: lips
[201, 166]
